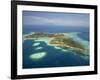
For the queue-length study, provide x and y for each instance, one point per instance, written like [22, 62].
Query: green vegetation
[58, 41]
[64, 42]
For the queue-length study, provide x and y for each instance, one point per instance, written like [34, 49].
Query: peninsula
[59, 40]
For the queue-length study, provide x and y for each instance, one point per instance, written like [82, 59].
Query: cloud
[36, 20]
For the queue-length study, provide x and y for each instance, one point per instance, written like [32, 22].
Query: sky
[55, 19]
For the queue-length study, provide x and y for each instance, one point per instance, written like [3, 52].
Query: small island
[37, 56]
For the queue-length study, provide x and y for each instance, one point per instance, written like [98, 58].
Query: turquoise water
[37, 54]
[54, 57]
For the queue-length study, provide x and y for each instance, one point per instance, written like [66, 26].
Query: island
[37, 56]
[58, 41]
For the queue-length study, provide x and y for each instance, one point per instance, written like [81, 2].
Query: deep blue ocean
[54, 57]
